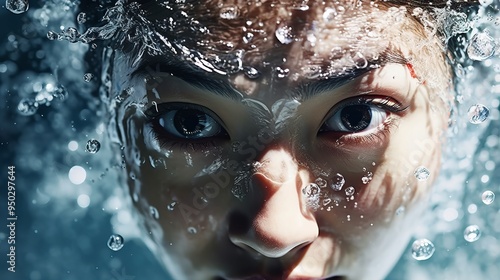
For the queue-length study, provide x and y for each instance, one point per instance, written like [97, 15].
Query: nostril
[239, 224]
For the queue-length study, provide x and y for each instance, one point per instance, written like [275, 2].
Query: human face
[304, 171]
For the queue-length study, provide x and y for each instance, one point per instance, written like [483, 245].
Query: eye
[354, 118]
[189, 122]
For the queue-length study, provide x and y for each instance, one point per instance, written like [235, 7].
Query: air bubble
[71, 34]
[481, 46]
[478, 113]
[282, 73]
[51, 35]
[329, 14]
[350, 191]
[27, 107]
[81, 18]
[488, 197]
[422, 249]
[327, 201]
[311, 190]
[360, 61]
[229, 12]
[171, 206]
[154, 212]
[93, 146]
[338, 182]
[17, 6]
[87, 77]
[472, 233]
[320, 182]
[115, 242]
[251, 72]
[284, 34]
[192, 230]
[422, 173]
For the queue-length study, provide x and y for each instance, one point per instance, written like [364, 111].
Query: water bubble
[478, 113]
[422, 173]
[320, 182]
[71, 34]
[360, 61]
[422, 249]
[51, 35]
[154, 212]
[327, 201]
[229, 12]
[311, 190]
[92, 146]
[248, 37]
[472, 233]
[284, 34]
[366, 179]
[488, 197]
[27, 107]
[338, 182]
[81, 18]
[350, 191]
[87, 77]
[282, 73]
[329, 14]
[115, 242]
[171, 206]
[192, 230]
[481, 46]
[17, 6]
[251, 72]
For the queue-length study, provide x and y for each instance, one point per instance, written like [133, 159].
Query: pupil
[189, 121]
[356, 117]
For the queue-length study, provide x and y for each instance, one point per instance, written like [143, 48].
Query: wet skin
[235, 158]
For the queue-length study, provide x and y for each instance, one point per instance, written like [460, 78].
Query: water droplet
[338, 182]
[192, 230]
[488, 197]
[360, 61]
[350, 191]
[400, 210]
[422, 173]
[472, 233]
[52, 35]
[27, 107]
[320, 182]
[281, 73]
[115, 242]
[481, 46]
[366, 179]
[81, 18]
[92, 146]
[71, 34]
[154, 212]
[327, 201]
[284, 34]
[329, 14]
[311, 190]
[478, 113]
[87, 77]
[229, 12]
[248, 37]
[422, 249]
[171, 206]
[17, 6]
[251, 72]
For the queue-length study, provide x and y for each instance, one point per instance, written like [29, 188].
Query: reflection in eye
[188, 121]
[360, 115]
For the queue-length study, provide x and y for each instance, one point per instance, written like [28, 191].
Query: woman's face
[300, 163]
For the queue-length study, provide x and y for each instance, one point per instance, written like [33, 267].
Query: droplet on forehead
[422, 249]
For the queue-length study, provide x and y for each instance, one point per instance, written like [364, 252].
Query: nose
[281, 220]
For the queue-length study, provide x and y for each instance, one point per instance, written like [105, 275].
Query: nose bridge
[281, 222]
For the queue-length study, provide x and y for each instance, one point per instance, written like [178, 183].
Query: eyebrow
[201, 79]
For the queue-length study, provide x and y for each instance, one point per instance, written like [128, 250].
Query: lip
[295, 277]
